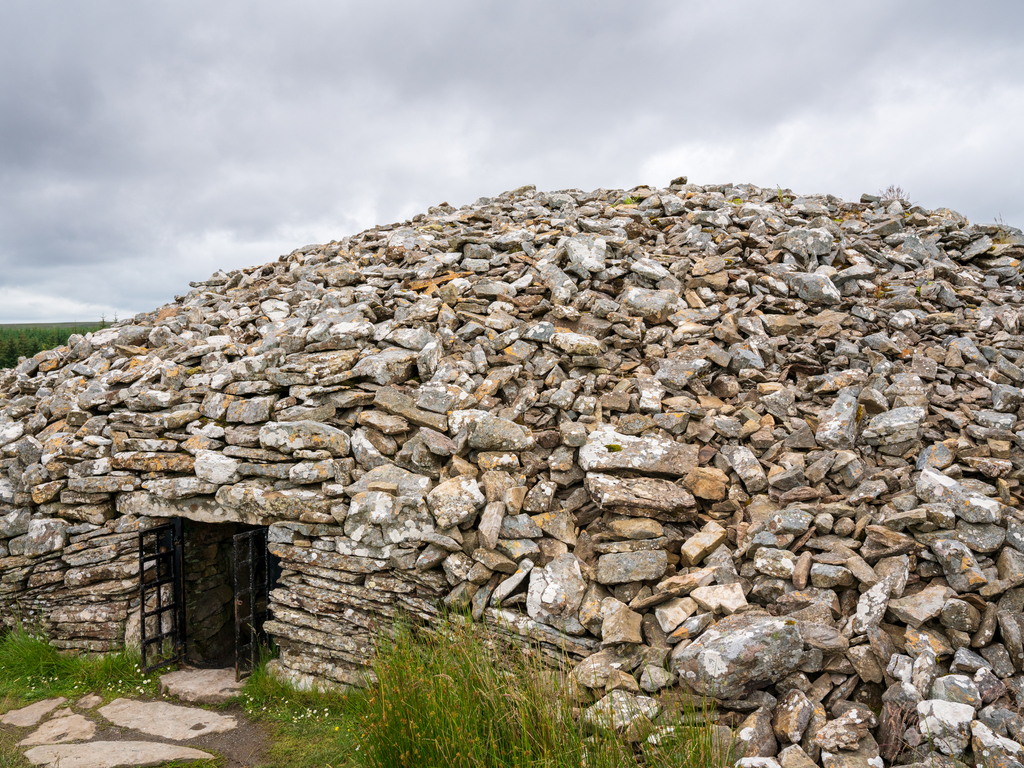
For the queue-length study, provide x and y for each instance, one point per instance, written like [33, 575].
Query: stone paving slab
[89, 701]
[32, 714]
[61, 729]
[201, 686]
[168, 721]
[112, 754]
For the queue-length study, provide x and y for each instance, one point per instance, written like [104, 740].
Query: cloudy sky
[143, 145]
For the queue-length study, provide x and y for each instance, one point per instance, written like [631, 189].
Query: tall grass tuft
[454, 698]
[449, 698]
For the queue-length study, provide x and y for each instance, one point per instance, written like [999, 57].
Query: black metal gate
[252, 598]
[161, 595]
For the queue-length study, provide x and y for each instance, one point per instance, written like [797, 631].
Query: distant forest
[27, 340]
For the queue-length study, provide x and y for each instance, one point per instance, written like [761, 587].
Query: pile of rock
[765, 447]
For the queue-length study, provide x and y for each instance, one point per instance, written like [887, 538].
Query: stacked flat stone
[763, 447]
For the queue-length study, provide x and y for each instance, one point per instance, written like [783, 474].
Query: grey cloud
[146, 145]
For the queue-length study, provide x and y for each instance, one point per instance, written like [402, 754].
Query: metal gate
[252, 598]
[161, 596]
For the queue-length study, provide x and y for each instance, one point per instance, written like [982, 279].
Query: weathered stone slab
[202, 509]
[608, 450]
[641, 497]
[112, 754]
[624, 567]
[291, 436]
[153, 462]
[168, 721]
[32, 714]
[60, 730]
[331, 560]
[739, 653]
[201, 686]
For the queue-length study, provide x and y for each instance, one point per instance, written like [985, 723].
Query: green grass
[627, 201]
[31, 669]
[454, 698]
[309, 729]
[10, 755]
[450, 697]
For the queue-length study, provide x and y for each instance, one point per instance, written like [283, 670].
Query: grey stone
[838, 425]
[455, 501]
[946, 725]
[388, 367]
[201, 686]
[845, 732]
[556, 590]
[644, 496]
[895, 426]
[179, 487]
[288, 437]
[746, 465]
[491, 433]
[167, 721]
[779, 563]
[804, 242]
[31, 714]
[739, 652]
[15, 523]
[60, 730]
[816, 288]
[653, 306]
[618, 623]
[871, 607]
[44, 536]
[720, 599]
[619, 709]
[959, 689]
[112, 754]
[959, 565]
[674, 612]
[915, 610]
[631, 566]
[216, 468]
[608, 450]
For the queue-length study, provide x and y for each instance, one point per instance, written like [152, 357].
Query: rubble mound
[764, 447]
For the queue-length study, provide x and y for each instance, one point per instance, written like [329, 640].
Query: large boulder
[739, 654]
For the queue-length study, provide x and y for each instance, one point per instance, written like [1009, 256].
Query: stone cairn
[763, 447]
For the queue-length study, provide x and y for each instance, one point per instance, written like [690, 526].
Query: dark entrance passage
[205, 592]
[209, 593]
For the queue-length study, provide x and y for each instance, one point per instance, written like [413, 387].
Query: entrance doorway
[204, 590]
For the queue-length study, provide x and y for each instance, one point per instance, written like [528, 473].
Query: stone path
[64, 733]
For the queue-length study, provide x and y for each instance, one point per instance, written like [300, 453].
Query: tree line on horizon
[29, 340]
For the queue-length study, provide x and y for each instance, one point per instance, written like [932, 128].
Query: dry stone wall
[764, 447]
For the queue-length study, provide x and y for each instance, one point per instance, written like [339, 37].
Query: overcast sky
[143, 145]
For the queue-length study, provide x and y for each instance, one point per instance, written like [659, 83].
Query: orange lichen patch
[154, 462]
